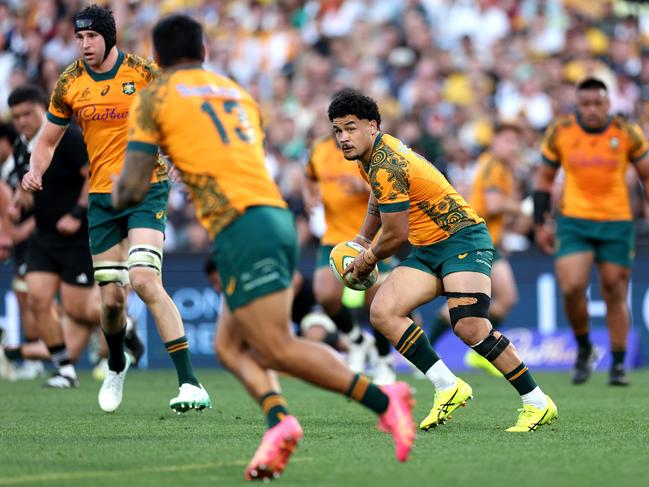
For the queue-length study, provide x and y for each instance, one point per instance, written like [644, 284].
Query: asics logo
[444, 408]
[535, 426]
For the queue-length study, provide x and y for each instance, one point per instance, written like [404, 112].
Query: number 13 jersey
[211, 130]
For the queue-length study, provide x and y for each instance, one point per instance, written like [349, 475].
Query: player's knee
[327, 297]
[471, 330]
[614, 290]
[76, 309]
[112, 309]
[573, 291]
[38, 302]
[382, 312]
[145, 283]
[277, 354]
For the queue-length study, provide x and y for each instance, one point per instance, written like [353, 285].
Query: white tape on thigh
[317, 319]
[19, 285]
[146, 256]
[110, 271]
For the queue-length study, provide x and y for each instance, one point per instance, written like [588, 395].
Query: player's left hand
[68, 225]
[361, 266]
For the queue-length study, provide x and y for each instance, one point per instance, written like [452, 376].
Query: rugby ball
[341, 256]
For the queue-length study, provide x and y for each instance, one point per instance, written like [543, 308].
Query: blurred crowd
[444, 72]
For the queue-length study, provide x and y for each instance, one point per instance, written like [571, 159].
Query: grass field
[61, 438]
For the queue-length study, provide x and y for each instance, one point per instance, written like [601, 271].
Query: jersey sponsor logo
[232, 285]
[128, 88]
[93, 114]
[593, 161]
[82, 278]
[462, 256]
[85, 95]
[105, 91]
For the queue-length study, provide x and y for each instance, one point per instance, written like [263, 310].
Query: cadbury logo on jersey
[93, 114]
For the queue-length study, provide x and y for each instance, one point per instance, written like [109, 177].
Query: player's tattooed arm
[373, 209]
[371, 224]
[134, 181]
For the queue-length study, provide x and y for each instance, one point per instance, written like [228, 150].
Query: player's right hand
[544, 239]
[32, 181]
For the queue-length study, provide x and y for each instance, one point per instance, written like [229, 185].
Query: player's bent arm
[41, 157]
[642, 168]
[395, 233]
[371, 224]
[135, 179]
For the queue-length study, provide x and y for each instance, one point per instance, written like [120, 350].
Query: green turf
[61, 438]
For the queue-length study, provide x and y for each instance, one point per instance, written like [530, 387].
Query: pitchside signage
[537, 325]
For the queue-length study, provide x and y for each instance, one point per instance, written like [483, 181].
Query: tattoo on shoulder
[150, 101]
[58, 102]
[146, 68]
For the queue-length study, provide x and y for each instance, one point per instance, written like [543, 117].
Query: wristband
[541, 206]
[369, 258]
[364, 238]
[78, 212]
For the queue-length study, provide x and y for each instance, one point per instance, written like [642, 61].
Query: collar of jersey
[590, 130]
[376, 143]
[108, 75]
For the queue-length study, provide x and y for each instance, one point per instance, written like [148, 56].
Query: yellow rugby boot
[531, 418]
[474, 360]
[445, 402]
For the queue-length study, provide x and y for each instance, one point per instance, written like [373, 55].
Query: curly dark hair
[351, 102]
[591, 84]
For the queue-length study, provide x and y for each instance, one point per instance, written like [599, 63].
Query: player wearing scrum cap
[126, 245]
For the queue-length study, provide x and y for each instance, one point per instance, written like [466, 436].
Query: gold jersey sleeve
[344, 205]
[211, 130]
[595, 164]
[491, 175]
[101, 103]
[403, 180]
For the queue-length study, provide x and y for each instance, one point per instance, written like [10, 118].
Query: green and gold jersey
[403, 180]
[210, 128]
[101, 103]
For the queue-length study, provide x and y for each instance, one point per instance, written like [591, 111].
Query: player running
[595, 222]
[211, 129]
[452, 255]
[126, 245]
